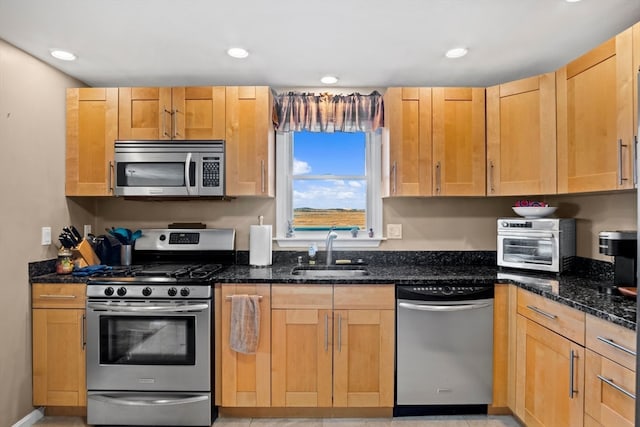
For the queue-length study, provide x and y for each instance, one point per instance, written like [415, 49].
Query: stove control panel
[146, 291]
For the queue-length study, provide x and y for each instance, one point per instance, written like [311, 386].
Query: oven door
[149, 345]
[529, 250]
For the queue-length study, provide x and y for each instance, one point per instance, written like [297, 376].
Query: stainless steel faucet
[328, 244]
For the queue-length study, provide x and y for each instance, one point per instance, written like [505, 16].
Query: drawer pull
[541, 312]
[49, 296]
[616, 345]
[572, 356]
[616, 386]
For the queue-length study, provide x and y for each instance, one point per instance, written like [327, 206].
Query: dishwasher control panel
[444, 292]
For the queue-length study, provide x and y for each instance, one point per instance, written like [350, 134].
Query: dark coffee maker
[623, 246]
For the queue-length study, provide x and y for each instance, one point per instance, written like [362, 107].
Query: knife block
[85, 255]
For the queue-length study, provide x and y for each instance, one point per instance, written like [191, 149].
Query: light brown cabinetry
[246, 379]
[92, 128]
[250, 136]
[595, 118]
[504, 348]
[165, 113]
[550, 366]
[58, 345]
[609, 374]
[521, 137]
[332, 346]
[436, 141]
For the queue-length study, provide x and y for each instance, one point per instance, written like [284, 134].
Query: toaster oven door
[534, 251]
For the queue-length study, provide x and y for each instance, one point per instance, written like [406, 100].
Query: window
[327, 180]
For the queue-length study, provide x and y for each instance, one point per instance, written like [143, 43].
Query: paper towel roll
[260, 245]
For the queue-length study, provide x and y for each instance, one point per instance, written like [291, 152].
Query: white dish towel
[245, 323]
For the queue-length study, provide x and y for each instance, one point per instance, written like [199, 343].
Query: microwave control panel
[211, 172]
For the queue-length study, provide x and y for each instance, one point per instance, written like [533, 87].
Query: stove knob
[184, 292]
[172, 292]
[146, 291]
[109, 291]
[446, 290]
[122, 291]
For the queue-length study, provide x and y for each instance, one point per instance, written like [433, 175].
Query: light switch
[46, 236]
[394, 231]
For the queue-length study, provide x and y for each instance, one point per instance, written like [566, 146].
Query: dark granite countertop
[579, 290]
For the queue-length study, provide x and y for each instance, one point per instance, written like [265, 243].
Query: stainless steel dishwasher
[444, 349]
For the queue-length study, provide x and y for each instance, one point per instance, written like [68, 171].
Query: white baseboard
[31, 418]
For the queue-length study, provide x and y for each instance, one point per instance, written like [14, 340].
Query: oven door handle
[429, 307]
[132, 401]
[148, 308]
[525, 235]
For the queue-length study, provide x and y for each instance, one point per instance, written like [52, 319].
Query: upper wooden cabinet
[179, 113]
[92, 127]
[250, 141]
[595, 118]
[521, 137]
[436, 141]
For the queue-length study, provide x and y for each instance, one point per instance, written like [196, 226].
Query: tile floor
[435, 421]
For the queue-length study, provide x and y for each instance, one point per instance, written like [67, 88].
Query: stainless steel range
[149, 331]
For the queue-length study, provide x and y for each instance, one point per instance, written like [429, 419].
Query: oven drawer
[612, 341]
[63, 295]
[561, 319]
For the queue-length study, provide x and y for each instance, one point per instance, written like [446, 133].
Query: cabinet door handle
[262, 176]
[616, 345]
[174, 126]
[326, 332]
[394, 182]
[572, 357]
[164, 124]
[111, 170]
[50, 296]
[83, 336]
[339, 332]
[616, 386]
[438, 178]
[620, 174]
[635, 161]
[492, 189]
[542, 312]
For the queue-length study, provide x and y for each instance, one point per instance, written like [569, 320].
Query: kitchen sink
[330, 271]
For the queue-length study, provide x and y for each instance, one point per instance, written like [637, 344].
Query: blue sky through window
[339, 154]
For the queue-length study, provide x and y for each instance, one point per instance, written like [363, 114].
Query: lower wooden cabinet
[58, 321]
[549, 380]
[245, 378]
[321, 346]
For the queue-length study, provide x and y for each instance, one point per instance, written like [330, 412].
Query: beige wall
[32, 136]
[427, 223]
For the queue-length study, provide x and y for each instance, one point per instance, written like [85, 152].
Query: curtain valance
[328, 113]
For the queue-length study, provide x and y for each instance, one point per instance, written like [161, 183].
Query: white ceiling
[366, 43]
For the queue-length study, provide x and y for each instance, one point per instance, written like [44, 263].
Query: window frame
[284, 198]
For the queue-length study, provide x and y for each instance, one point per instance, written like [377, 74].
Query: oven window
[530, 251]
[147, 340]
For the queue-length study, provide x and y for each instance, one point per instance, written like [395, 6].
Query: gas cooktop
[175, 271]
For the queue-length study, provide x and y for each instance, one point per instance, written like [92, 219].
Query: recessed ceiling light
[63, 55]
[329, 80]
[457, 52]
[237, 52]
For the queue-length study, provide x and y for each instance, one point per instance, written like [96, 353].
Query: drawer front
[609, 388]
[58, 295]
[612, 341]
[561, 319]
[301, 296]
[364, 297]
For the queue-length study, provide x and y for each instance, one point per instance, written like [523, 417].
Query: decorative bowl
[534, 211]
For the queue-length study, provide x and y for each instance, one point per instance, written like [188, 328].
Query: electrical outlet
[87, 230]
[45, 236]
[394, 231]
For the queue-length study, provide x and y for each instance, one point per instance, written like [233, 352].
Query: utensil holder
[125, 254]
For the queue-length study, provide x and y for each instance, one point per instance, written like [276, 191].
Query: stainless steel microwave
[176, 169]
[545, 244]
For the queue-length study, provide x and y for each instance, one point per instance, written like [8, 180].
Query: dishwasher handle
[446, 308]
